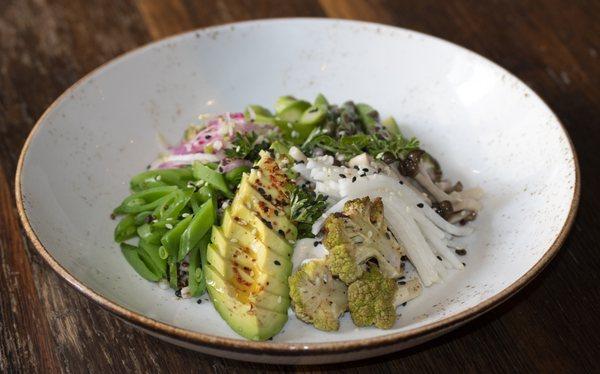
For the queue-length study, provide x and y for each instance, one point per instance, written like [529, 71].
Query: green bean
[161, 177]
[125, 229]
[234, 176]
[144, 200]
[152, 250]
[132, 256]
[198, 227]
[212, 177]
[172, 238]
[196, 280]
[173, 274]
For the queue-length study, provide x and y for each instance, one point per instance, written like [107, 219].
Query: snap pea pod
[201, 196]
[152, 250]
[321, 102]
[172, 238]
[161, 177]
[125, 229]
[310, 119]
[166, 203]
[149, 234]
[293, 112]
[173, 274]
[144, 200]
[283, 102]
[196, 280]
[212, 177]
[198, 227]
[174, 207]
[368, 116]
[259, 115]
[391, 125]
[132, 256]
[234, 176]
[142, 217]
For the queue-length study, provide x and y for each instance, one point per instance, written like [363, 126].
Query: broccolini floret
[317, 297]
[373, 298]
[357, 234]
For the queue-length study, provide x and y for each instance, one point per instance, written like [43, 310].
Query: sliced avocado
[247, 281]
[271, 182]
[256, 229]
[261, 298]
[255, 256]
[259, 204]
[248, 263]
[250, 321]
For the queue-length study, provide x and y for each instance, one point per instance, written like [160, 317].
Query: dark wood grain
[46, 45]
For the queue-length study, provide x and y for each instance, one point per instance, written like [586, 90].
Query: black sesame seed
[401, 278]
[460, 252]
[281, 232]
[113, 216]
[148, 167]
[208, 136]
[365, 169]
[404, 303]
[342, 176]
[401, 182]
[403, 258]
[276, 262]
[420, 205]
[439, 258]
[316, 243]
[356, 167]
[178, 293]
[199, 301]
[402, 283]
[353, 179]
[464, 264]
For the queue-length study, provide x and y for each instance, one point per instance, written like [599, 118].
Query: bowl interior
[486, 127]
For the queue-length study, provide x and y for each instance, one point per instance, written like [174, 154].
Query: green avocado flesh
[248, 262]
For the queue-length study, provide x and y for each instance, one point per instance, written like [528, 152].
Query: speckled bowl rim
[289, 349]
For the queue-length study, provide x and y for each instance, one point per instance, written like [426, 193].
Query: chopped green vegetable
[306, 208]
[132, 256]
[212, 177]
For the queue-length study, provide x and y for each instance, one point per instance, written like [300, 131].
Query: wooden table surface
[553, 46]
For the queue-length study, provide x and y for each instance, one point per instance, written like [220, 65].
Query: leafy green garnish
[246, 146]
[306, 208]
[353, 145]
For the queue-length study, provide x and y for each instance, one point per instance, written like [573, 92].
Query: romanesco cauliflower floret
[317, 297]
[373, 298]
[357, 234]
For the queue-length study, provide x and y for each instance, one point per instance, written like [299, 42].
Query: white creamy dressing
[305, 250]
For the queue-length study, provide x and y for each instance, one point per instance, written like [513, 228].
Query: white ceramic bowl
[487, 128]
